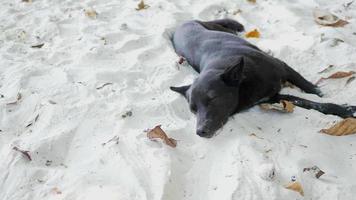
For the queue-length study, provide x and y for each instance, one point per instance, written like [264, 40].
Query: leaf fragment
[316, 170]
[91, 13]
[253, 34]
[295, 186]
[252, 1]
[157, 132]
[325, 18]
[336, 75]
[345, 127]
[142, 6]
[282, 106]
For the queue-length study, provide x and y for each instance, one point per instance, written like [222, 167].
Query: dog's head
[213, 97]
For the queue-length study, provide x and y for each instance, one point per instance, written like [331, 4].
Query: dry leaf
[142, 6]
[295, 186]
[316, 170]
[252, 1]
[345, 127]
[253, 34]
[326, 18]
[157, 132]
[336, 75]
[283, 106]
[91, 13]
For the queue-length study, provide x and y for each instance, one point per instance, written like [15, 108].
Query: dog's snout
[203, 133]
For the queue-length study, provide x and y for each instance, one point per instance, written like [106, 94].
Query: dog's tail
[343, 111]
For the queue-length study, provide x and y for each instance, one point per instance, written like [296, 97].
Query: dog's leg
[326, 108]
[298, 80]
[224, 25]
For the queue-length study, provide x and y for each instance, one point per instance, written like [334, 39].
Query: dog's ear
[233, 75]
[181, 90]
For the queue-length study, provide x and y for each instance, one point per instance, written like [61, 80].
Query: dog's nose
[203, 133]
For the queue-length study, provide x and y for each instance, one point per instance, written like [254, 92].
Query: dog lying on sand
[236, 75]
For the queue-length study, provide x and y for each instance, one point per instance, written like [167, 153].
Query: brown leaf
[345, 127]
[295, 186]
[336, 75]
[283, 106]
[25, 153]
[253, 34]
[252, 1]
[142, 6]
[325, 18]
[157, 132]
[91, 13]
[316, 170]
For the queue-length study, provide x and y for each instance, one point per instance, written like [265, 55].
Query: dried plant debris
[127, 114]
[295, 186]
[253, 34]
[91, 13]
[102, 86]
[325, 18]
[27, 1]
[282, 106]
[345, 127]
[142, 6]
[336, 75]
[157, 132]
[315, 170]
[38, 46]
[55, 190]
[252, 1]
[25, 153]
[18, 98]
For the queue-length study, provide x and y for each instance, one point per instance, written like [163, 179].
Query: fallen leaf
[316, 170]
[37, 46]
[25, 153]
[345, 127]
[253, 34]
[336, 75]
[282, 106]
[142, 6]
[157, 132]
[252, 1]
[325, 18]
[91, 13]
[295, 186]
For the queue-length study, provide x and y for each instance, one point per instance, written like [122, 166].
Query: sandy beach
[81, 81]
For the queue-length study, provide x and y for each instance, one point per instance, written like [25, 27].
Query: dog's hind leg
[225, 25]
[298, 80]
[326, 108]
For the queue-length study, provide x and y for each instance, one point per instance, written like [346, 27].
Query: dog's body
[234, 74]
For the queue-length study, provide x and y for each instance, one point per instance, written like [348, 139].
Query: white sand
[131, 50]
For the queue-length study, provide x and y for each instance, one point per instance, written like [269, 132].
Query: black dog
[235, 75]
